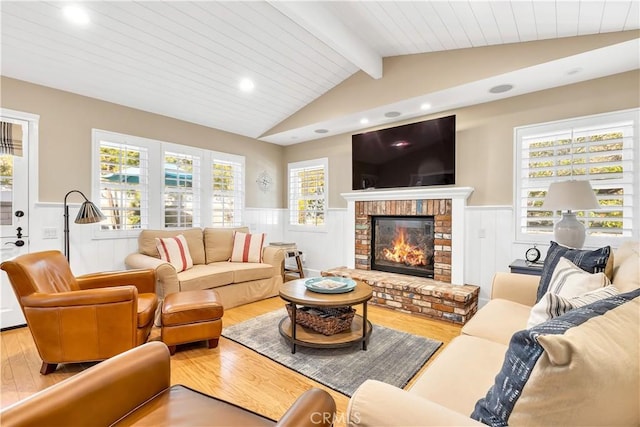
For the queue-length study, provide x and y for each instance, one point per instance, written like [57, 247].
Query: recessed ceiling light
[392, 114]
[425, 106]
[321, 130]
[501, 88]
[364, 121]
[76, 15]
[246, 85]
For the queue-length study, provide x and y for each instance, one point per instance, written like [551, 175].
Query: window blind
[123, 186]
[10, 139]
[227, 192]
[599, 149]
[307, 193]
[181, 190]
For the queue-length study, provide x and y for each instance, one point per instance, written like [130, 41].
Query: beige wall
[66, 120]
[484, 138]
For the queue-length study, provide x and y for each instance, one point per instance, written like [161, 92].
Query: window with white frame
[143, 183]
[602, 149]
[123, 184]
[308, 192]
[181, 189]
[227, 190]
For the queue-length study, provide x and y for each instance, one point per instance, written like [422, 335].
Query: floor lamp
[88, 214]
[570, 195]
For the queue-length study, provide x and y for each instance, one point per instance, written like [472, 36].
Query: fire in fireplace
[403, 244]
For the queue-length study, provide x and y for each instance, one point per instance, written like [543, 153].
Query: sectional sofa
[579, 368]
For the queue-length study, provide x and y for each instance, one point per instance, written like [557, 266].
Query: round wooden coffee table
[296, 293]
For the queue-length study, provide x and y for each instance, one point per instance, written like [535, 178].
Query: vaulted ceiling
[185, 59]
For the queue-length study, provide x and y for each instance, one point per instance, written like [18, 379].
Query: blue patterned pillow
[525, 351]
[590, 261]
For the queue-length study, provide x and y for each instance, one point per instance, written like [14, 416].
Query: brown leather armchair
[85, 318]
[133, 388]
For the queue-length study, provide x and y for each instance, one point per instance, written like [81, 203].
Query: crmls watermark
[328, 418]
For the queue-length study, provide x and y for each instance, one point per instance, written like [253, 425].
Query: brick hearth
[417, 295]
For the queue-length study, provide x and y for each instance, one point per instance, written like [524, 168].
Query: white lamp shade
[570, 195]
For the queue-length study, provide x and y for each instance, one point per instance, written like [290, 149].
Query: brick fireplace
[443, 297]
[446, 204]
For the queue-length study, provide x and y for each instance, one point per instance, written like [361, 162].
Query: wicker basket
[327, 321]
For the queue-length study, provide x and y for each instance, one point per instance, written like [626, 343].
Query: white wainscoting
[489, 241]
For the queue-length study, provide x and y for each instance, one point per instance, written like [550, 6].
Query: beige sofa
[237, 283]
[588, 376]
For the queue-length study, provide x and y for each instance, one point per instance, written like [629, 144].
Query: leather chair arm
[80, 298]
[314, 408]
[100, 395]
[143, 280]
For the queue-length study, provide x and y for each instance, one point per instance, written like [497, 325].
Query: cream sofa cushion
[205, 276]
[626, 269]
[147, 242]
[461, 374]
[219, 243]
[498, 320]
[247, 271]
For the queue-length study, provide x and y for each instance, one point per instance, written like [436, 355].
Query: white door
[14, 214]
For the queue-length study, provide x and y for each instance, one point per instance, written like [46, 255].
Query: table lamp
[88, 214]
[569, 196]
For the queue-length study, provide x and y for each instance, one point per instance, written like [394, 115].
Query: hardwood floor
[229, 372]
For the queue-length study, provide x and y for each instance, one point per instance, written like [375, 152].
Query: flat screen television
[413, 155]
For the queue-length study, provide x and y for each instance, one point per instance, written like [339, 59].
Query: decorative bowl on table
[330, 285]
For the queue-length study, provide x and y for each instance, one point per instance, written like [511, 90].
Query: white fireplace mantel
[458, 196]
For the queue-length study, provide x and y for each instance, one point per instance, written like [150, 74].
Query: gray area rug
[393, 357]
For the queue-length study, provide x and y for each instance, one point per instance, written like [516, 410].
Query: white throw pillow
[569, 280]
[175, 251]
[553, 305]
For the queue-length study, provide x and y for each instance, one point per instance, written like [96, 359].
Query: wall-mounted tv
[417, 154]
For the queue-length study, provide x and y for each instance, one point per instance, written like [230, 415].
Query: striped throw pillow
[247, 247]
[569, 280]
[175, 251]
[554, 305]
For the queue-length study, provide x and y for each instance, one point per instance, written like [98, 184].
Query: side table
[525, 267]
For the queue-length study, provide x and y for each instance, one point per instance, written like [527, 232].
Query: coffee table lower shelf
[309, 338]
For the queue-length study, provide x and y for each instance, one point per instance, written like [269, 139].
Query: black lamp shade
[89, 213]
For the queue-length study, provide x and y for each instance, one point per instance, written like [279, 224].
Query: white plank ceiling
[185, 59]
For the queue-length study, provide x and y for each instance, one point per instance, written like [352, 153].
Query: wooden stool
[297, 255]
[191, 316]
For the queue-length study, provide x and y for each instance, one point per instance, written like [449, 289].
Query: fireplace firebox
[403, 244]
